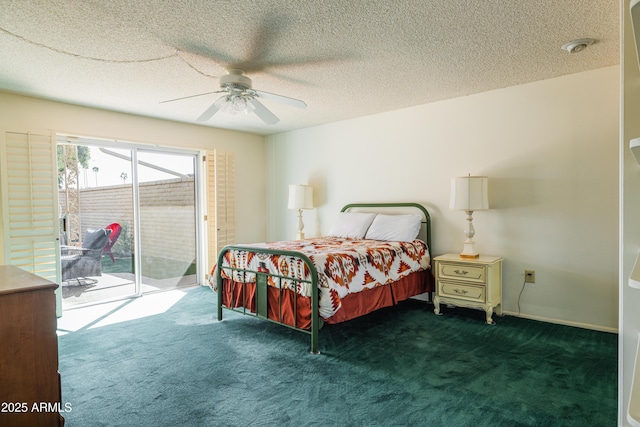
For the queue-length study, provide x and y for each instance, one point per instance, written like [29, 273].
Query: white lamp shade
[300, 196]
[470, 193]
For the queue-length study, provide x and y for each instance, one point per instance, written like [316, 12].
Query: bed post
[315, 319]
[219, 281]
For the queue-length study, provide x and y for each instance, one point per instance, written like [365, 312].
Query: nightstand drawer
[460, 291]
[466, 272]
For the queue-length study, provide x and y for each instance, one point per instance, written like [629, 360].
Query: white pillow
[397, 228]
[351, 225]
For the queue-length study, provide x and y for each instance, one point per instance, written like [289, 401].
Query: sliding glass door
[97, 223]
[127, 219]
[167, 208]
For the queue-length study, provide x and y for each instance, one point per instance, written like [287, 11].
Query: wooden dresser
[30, 392]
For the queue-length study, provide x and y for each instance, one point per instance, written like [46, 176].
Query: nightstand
[475, 283]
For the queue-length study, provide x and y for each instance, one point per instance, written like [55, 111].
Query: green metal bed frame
[261, 282]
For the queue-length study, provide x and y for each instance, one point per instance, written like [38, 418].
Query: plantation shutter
[30, 203]
[221, 202]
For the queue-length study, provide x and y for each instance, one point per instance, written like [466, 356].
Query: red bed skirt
[296, 309]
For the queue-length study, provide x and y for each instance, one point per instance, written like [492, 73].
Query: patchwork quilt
[344, 266]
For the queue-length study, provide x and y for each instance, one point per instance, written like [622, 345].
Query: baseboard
[600, 328]
[563, 322]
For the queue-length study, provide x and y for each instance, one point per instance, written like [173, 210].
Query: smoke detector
[576, 46]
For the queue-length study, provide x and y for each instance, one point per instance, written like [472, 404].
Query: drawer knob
[463, 272]
[460, 291]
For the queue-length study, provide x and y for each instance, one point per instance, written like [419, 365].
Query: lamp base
[469, 250]
[300, 234]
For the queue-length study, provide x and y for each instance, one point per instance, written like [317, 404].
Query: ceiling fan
[240, 97]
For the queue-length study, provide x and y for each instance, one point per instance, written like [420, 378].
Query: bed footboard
[262, 288]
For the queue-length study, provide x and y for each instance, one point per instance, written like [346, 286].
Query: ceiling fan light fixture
[235, 103]
[238, 105]
[579, 45]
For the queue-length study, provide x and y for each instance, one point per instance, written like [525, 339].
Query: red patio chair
[115, 232]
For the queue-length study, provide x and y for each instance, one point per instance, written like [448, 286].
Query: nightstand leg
[489, 311]
[436, 306]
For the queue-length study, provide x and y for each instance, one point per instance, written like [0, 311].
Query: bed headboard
[405, 207]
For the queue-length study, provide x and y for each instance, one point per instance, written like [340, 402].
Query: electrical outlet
[530, 276]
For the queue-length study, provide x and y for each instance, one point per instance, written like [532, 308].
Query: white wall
[630, 212]
[20, 113]
[550, 149]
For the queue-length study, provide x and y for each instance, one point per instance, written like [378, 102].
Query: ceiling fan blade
[209, 112]
[283, 99]
[263, 112]
[190, 96]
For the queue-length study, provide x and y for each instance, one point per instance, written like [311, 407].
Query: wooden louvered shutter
[221, 202]
[30, 203]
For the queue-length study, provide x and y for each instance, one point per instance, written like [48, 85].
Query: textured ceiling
[345, 59]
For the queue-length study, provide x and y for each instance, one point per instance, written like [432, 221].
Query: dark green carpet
[402, 366]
